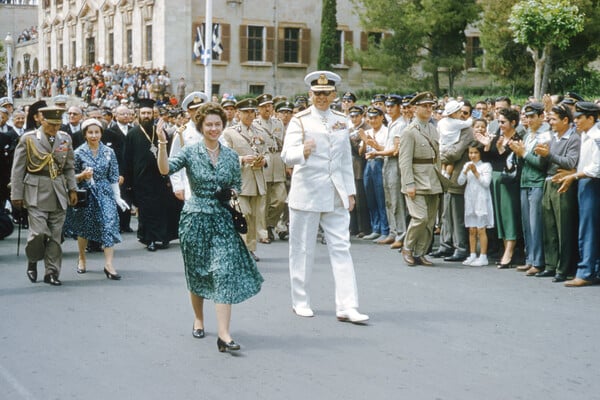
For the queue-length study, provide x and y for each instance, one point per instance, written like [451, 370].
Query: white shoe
[482, 261]
[351, 315]
[303, 312]
[470, 260]
[371, 236]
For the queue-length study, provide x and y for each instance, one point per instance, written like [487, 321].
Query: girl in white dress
[479, 211]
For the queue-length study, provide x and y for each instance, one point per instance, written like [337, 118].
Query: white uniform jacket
[328, 169]
[188, 137]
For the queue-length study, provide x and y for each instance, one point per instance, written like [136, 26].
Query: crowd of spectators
[102, 85]
[28, 34]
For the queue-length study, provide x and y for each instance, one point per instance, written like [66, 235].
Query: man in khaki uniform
[275, 169]
[43, 181]
[251, 145]
[418, 160]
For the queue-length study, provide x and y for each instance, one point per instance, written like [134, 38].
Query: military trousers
[253, 208]
[43, 242]
[419, 234]
[275, 202]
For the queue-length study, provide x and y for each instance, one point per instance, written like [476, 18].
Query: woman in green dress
[218, 265]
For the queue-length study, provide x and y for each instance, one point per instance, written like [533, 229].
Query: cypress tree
[330, 46]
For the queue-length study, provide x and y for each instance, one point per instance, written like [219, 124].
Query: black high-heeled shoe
[114, 277]
[231, 346]
[198, 333]
[505, 266]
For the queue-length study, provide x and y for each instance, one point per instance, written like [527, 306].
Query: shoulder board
[338, 113]
[302, 113]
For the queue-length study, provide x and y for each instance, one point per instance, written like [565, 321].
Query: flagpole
[208, 32]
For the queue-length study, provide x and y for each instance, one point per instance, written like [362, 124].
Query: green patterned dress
[217, 263]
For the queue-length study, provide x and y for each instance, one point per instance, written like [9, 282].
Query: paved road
[448, 332]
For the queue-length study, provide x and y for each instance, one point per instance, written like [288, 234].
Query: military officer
[43, 181]
[185, 136]
[229, 107]
[251, 145]
[275, 169]
[322, 193]
[418, 160]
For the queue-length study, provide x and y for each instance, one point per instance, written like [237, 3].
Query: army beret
[534, 108]
[586, 108]
[246, 104]
[422, 98]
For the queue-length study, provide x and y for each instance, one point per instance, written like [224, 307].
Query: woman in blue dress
[96, 170]
[218, 265]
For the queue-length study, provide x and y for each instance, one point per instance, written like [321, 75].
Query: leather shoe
[422, 260]
[32, 271]
[162, 246]
[455, 258]
[397, 245]
[303, 312]
[578, 282]
[52, 279]
[559, 278]
[440, 254]
[151, 246]
[408, 258]
[271, 233]
[254, 256]
[523, 268]
[198, 333]
[545, 274]
[533, 271]
[352, 315]
[386, 240]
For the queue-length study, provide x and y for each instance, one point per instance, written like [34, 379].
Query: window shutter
[226, 41]
[280, 45]
[243, 43]
[305, 46]
[364, 41]
[270, 44]
[349, 40]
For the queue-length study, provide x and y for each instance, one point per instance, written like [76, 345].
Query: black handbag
[82, 198]
[239, 221]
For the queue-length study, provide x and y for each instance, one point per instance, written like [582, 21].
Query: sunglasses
[322, 92]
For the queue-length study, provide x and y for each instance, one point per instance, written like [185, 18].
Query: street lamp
[8, 42]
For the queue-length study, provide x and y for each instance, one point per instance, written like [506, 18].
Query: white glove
[117, 195]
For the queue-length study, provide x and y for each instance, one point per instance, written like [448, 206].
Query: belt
[423, 161]
[44, 173]
[375, 159]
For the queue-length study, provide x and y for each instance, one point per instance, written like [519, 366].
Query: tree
[426, 36]
[540, 25]
[329, 36]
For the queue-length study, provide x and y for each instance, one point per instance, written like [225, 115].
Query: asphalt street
[443, 332]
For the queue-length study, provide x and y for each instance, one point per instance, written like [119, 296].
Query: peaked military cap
[378, 98]
[228, 103]
[264, 99]
[279, 99]
[575, 96]
[246, 104]
[586, 108]
[5, 100]
[533, 108]
[322, 80]
[300, 100]
[393, 99]
[374, 111]
[284, 106]
[194, 100]
[349, 96]
[422, 98]
[3, 110]
[60, 99]
[52, 115]
[356, 110]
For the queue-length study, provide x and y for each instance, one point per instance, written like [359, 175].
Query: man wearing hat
[251, 144]
[275, 168]
[43, 181]
[7, 104]
[348, 101]
[158, 209]
[229, 108]
[186, 135]
[322, 193]
[301, 103]
[61, 102]
[418, 160]
[360, 222]
[8, 142]
[587, 177]
[285, 112]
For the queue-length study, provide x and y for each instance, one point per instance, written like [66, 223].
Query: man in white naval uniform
[186, 135]
[317, 145]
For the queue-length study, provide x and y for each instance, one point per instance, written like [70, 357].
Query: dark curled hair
[511, 115]
[208, 109]
[563, 112]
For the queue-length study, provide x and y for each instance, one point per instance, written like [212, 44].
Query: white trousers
[302, 241]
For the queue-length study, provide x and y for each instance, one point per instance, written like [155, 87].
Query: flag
[217, 46]
[198, 44]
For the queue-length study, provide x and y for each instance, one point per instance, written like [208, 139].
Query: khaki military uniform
[419, 165]
[42, 176]
[250, 141]
[274, 172]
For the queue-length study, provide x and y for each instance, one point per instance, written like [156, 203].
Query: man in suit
[250, 143]
[8, 142]
[73, 127]
[418, 160]
[317, 145]
[43, 181]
